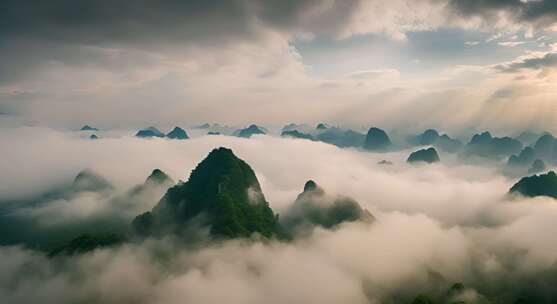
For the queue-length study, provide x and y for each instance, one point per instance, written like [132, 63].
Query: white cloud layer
[449, 222]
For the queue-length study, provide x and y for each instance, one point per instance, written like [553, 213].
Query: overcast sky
[400, 64]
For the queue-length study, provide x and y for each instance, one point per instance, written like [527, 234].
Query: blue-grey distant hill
[250, 131]
[377, 140]
[149, 132]
[428, 155]
[177, 133]
[88, 128]
[485, 145]
[431, 137]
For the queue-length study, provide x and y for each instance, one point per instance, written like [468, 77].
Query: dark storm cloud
[94, 22]
[99, 21]
[36, 33]
[476, 6]
[293, 15]
[537, 12]
[543, 9]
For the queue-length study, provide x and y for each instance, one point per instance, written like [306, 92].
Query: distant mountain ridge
[88, 128]
[432, 137]
[250, 131]
[175, 133]
[485, 145]
[296, 134]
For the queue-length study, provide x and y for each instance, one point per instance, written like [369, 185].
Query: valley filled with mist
[81, 216]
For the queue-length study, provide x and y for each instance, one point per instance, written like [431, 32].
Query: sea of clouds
[436, 225]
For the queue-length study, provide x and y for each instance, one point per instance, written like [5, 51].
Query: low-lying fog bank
[436, 225]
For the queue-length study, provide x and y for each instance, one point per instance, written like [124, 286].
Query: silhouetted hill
[527, 137]
[321, 126]
[149, 132]
[177, 133]
[249, 131]
[222, 194]
[487, 146]
[506, 145]
[93, 136]
[155, 182]
[290, 127]
[537, 185]
[428, 155]
[87, 180]
[88, 128]
[429, 137]
[313, 207]
[377, 140]
[484, 137]
[147, 194]
[546, 148]
[341, 138]
[447, 144]
[296, 134]
[158, 177]
[525, 158]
